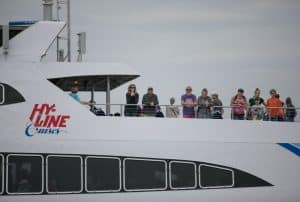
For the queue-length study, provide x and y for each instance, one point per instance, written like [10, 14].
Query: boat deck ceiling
[87, 83]
[88, 76]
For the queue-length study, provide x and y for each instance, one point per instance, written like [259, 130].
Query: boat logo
[44, 120]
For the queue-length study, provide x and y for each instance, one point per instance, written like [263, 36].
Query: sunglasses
[188, 89]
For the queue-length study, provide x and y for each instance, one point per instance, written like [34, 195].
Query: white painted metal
[33, 43]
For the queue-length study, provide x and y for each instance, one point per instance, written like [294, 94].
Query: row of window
[68, 173]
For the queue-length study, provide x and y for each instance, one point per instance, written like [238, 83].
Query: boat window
[24, 174]
[64, 174]
[1, 173]
[215, 177]
[143, 174]
[9, 95]
[182, 175]
[102, 174]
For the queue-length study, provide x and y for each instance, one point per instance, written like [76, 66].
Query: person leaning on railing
[188, 101]
[216, 107]
[274, 107]
[239, 105]
[204, 103]
[150, 101]
[172, 111]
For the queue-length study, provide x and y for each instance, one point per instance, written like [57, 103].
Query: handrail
[225, 112]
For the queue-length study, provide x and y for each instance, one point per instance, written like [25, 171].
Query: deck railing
[215, 112]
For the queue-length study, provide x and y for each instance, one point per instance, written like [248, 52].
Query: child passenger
[257, 110]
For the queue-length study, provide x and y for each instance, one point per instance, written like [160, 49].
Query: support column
[107, 96]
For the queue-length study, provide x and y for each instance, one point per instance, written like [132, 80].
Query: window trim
[42, 167]
[218, 167]
[144, 159]
[81, 175]
[2, 182]
[3, 94]
[103, 191]
[170, 175]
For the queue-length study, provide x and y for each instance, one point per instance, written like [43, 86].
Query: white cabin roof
[32, 44]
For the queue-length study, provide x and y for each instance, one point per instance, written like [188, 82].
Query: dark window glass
[64, 174]
[211, 176]
[102, 174]
[1, 173]
[25, 174]
[183, 175]
[9, 95]
[1, 93]
[145, 174]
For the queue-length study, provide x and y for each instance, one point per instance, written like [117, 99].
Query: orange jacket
[275, 112]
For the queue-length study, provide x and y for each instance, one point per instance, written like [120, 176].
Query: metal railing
[215, 112]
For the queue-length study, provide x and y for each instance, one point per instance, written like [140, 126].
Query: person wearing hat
[75, 96]
[150, 101]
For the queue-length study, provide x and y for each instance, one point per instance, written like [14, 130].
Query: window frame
[3, 94]
[81, 175]
[218, 167]
[141, 190]
[43, 176]
[103, 191]
[2, 182]
[170, 175]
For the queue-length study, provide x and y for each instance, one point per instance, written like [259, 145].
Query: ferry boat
[54, 149]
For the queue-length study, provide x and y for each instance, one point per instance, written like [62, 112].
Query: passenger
[239, 105]
[280, 109]
[216, 107]
[171, 110]
[188, 101]
[252, 101]
[150, 101]
[159, 113]
[132, 98]
[257, 110]
[204, 103]
[290, 111]
[75, 96]
[273, 106]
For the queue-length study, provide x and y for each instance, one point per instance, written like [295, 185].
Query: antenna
[5, 38]
[47, 10]
[81, 45]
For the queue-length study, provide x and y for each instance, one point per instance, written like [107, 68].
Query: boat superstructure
[52, 148]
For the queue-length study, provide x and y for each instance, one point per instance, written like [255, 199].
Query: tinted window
[1, 93]
[102, 174]
[64, 174]
[144, 174]
[25, 174]
[1, 174]
[9, 95]
[182, 175]
[211, 176]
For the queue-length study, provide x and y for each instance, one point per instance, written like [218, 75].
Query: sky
[221, 45]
